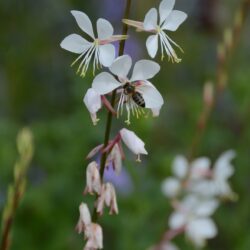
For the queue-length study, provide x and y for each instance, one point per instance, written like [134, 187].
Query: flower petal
[177, 220]
[151, 95]
[144, 70]
[174, 20]
[93, 103]
[166, 6]
[75, 43]
[171, 187]
[150, 20]
[180, 166]
[121, 66]
[199, 230]
[200, 167]
[206, 207]
[104, 29]
[152, 45]
[106, 54]
[133, 142]
[105, 83]
[83, 22]
[222, 167]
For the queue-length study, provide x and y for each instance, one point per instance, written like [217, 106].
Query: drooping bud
[94, 236]
[133, 142]
[84, 219]
[208, 94]
[107, 197]
[115, 158]
[93, 184]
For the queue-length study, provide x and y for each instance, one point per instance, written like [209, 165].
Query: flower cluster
[196, 190]
[131, 89]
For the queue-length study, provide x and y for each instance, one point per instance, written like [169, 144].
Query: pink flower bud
[108, 198]
[94, 236]
[93, 179]
[84, 219]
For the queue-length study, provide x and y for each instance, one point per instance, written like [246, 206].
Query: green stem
[110, 115]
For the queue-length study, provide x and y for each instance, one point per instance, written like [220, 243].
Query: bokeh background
[38, 88]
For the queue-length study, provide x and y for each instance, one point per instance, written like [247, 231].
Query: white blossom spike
[99, 49]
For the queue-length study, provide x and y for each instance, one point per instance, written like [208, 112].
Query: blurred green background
[39, 89]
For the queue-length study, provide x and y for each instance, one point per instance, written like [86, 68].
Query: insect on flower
[170, 20]
[136, 92]
[100, 48]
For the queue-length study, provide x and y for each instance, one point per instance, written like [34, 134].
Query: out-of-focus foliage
[38, 88]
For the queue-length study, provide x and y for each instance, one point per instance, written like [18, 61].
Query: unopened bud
[93, 184]
[208, 94]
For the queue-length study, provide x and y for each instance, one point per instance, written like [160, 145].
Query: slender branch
[113, 98]
[225, 50]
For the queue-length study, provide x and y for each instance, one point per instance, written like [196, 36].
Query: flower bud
[84, 219]
[93, 179]
[94, 236]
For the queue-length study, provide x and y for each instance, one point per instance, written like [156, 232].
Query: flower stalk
[110, 114]
[17, 189]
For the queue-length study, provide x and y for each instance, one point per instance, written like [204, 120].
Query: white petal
[200, 167]
[133, 142]
[104, 29]
[105, 83]
[206, 207]
[144, 70]
[152, 45]
[83, 22]
[84, 214]
[92, 100]
[75, 43]
[151, 95]
[174, 20]
[121, 66]
[177, 220]
[106, 54]
[223, 168]
[166, 6]
[201, 229]
[170, 187]
[93, 103]
[156, 112]
[180, 166]
[150, 21]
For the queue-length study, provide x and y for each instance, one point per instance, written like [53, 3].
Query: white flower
[108, 197]
[136, 92]
[133, 142]
[186, 175]
[84, 219]
[94, 236]
[93, 184]
[222, 171]
[93, 103]
[100, 48]
[193, 214]
[170, 20]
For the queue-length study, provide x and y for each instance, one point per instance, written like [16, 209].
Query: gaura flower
[170, 20]
[193, 214]
[99, 48]
[93, 102]
[136, 92]
[133, 142]
[186, 175]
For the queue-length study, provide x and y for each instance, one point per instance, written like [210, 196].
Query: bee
[129, 89]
